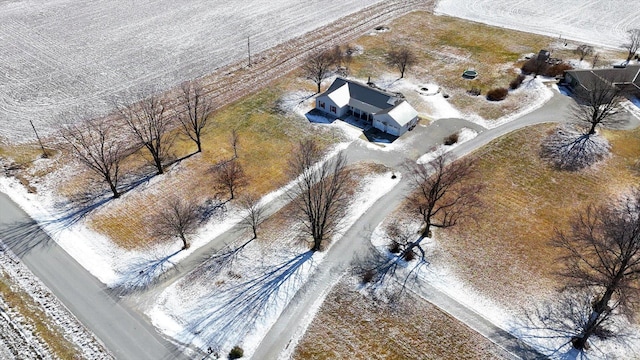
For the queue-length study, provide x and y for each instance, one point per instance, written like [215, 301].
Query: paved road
[356, 239]
[123, 331]
[129, 336]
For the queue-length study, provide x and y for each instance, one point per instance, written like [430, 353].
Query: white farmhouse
[385, 111]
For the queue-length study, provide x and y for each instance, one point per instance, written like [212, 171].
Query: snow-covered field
[601, 22]
[59, 55]
[65, 53]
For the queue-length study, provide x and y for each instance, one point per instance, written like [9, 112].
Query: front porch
[360, 114]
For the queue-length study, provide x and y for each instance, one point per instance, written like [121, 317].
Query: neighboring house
[583, 80]
[387, 112]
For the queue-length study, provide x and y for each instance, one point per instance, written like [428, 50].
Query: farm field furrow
[62, 55]
[601, 22]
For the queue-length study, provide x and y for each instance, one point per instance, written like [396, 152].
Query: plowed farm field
[600, 22]
[62, 58]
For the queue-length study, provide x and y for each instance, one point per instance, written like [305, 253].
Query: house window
[322, 104]
[333, 109]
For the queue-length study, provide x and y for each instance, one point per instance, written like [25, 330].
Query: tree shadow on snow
[234, 311]
[551, 325]
[21, 237]
[144, 272]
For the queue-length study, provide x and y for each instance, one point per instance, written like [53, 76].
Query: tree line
[102, 145]
[321, 65]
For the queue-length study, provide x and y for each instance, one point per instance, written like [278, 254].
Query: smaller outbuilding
[387, 112]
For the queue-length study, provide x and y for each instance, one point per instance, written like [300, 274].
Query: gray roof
[626, 75]
[365, 97]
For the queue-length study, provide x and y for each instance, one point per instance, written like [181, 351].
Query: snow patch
[191, 312]
[464, 135]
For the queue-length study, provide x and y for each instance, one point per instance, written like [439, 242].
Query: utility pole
[44, 152]
[249, 49]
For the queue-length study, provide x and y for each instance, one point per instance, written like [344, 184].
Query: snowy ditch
[18, 339]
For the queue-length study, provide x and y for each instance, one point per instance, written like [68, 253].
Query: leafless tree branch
[602, 253]
[317, 67]
[633, 43]
[96, 146]
[402, 59]
[597, 104]
[583, 51]
[193, 111]
[254, 213]
[178, 218]
[150, 127]
[445, 193]
[229, 176]
[320, 193]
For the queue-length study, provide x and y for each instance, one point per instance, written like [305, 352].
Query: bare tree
[178, 218]
[576, 147]
[633, 43]
[583, 51]
[193, 111]
[596, 60]
[320, 194]
[317, 67]
[445, 194]
[150, 126]
[96, 146]
[603, 254]
[229, 176]
[254, 213]
[596, 104]
[234, 140]
[402, 59]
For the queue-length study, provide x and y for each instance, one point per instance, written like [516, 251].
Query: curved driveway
[357, 238]
[129, 336]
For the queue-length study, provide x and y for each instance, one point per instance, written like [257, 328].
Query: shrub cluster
[394, 247]
[515, 83]
[557, 69]
[497, 94]
[535, 66]
[451, 139]
[236, 353]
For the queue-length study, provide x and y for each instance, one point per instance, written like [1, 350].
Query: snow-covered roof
[371, 100]
[340, 96]
[402, 113]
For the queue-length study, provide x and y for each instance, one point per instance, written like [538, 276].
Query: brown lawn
[352, 326]
[507, 255]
